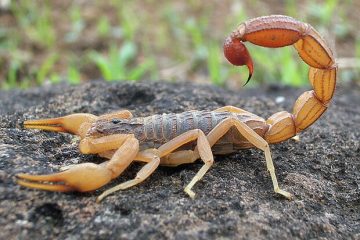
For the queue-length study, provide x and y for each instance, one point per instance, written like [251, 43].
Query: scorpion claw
[43, 186]
[82, 177]
[51, 124]
[71, 123]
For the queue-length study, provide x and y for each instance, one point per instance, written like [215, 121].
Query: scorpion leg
[220, 130]
[180, 157]
[107, 154]
[151, 157]
[173, 159]
[203, 148]
[237, 110]
[104, 144]
[231, 109]
[224, 126]
[86, 176]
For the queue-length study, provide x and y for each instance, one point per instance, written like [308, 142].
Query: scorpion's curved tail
[279, 31]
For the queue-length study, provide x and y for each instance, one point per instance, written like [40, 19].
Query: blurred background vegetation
[47, 42]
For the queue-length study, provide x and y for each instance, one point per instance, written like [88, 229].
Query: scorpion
[178, 138]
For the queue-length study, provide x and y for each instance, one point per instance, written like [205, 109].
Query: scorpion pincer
[178, 138]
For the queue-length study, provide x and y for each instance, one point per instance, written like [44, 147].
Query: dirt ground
[234, 200]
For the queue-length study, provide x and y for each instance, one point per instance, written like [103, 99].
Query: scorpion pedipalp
[85, 177]
[72, 123]
[82, 177]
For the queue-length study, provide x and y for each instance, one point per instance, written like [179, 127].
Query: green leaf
[73, 75]
[140, 70]
[46, 67]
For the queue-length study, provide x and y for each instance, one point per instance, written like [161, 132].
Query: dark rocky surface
[235, 198]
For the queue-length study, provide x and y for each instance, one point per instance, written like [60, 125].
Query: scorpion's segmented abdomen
[162, 128]
[159, 129]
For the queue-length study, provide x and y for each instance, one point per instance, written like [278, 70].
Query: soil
[235, 198]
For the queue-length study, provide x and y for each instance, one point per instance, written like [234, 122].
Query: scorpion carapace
[174, 139]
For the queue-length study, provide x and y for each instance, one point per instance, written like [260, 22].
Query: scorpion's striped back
[164, 127]
[161, 128]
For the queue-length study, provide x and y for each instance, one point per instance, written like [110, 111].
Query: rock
[234, 200]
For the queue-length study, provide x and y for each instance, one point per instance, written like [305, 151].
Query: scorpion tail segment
[82, 178]
[277, 31]
[237, 54]
[72, 123]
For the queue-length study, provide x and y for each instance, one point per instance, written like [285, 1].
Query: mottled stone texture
[234, 200]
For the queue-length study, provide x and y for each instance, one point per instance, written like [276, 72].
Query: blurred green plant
[291, 8]
[322, 12]
[73, 75]
[35, 20]
[11, 75]
[45, 68]
[278, 66]
[128, 20]
[117, 65]
[77, 24]
[357, 54]
[195, 29]
[44, 43]
[216, 71]
[103, 26]
[13, 66]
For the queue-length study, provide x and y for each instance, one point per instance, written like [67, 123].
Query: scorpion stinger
[237, 54]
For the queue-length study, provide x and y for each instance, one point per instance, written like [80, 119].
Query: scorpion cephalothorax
[174, 139]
